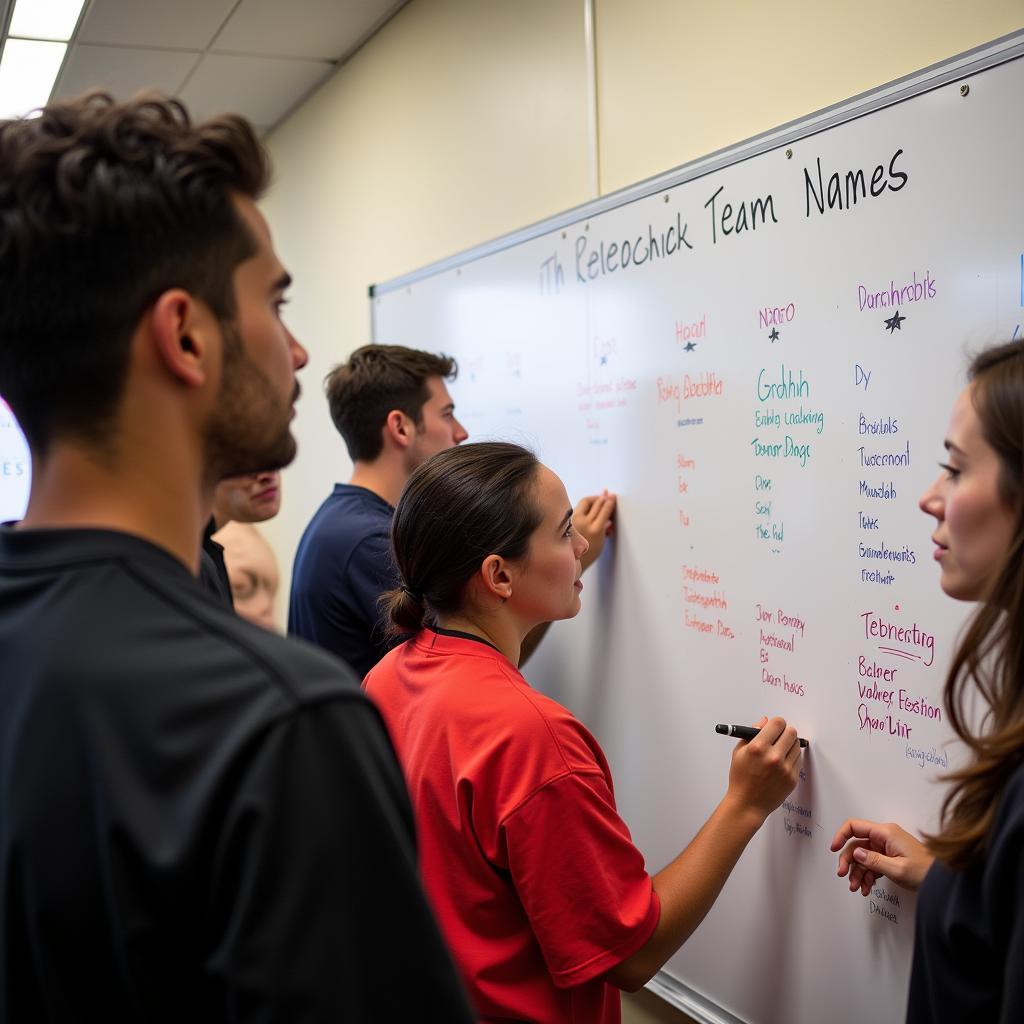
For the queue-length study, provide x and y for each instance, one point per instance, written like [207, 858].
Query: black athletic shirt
[213, 573]
[969, 946]
[199, 820]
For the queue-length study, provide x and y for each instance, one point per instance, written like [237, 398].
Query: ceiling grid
[259, 58]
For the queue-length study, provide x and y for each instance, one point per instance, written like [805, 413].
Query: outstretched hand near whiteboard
[870, 850]
[594, 518]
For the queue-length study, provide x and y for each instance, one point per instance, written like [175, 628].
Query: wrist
[742, 812]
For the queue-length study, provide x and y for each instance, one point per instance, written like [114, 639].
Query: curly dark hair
[375, 380]
[104, 206]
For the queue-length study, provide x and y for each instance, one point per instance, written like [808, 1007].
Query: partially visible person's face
[546, 582]
[974, 525]
[250, 428]
[252, 570]
[438, 428]
[250, 498]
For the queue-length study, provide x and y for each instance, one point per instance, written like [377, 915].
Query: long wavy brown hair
[989, 659]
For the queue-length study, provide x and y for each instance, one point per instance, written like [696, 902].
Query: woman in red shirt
[540, 892]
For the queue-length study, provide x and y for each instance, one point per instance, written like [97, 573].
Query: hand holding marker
[746, 732]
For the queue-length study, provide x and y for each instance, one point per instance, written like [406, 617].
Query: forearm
[688, 887]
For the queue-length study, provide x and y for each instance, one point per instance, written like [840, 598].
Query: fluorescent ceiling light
[27, 73]
[45, 19]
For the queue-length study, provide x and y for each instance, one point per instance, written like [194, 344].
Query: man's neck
[74, 488]
[384, 477]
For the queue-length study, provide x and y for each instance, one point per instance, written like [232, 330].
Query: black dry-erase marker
[746, 732]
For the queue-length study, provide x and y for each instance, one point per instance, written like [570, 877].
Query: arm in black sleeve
[317, 909]
[1004, 897]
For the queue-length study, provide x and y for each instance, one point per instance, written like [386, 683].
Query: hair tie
[417, 597]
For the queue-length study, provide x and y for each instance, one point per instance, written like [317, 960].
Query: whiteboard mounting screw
[789, 154]
[964, 89]
[666, 197]
[563, 234]
[586, 227]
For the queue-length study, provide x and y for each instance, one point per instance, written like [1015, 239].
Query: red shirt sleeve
[582, 882]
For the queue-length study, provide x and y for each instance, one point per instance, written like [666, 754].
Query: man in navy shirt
[198, 819]
[392, 407]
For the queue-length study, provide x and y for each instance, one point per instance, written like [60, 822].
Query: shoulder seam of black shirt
[227, 636]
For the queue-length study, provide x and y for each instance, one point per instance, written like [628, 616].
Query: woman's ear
[495, 577]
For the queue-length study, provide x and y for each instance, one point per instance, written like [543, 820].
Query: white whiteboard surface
[770, 556]
[15, 467]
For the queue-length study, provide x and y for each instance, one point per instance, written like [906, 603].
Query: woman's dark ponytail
[460, 506]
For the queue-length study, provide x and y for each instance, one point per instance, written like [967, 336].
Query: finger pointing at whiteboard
[594, 518]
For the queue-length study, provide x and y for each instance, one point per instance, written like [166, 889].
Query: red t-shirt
[536, 883]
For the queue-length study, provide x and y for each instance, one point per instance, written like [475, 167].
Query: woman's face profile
[547, 585]
[973, 524]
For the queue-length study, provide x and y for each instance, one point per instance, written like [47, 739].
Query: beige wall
[464, 119]
[678, 79]
[404, 156]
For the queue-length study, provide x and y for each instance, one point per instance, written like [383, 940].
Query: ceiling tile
[325, 29]
[123, 71]
[184, 24]
[263, 89]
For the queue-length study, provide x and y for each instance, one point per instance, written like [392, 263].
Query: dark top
[213, 573]
[969, 952]
[342, 566]
[199, 820]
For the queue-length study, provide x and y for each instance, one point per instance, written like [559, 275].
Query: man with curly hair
[199, 820]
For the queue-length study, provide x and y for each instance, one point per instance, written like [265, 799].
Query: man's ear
[399, 428]
[182, 331]
[495, 577]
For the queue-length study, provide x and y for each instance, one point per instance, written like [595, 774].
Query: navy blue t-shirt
[969, 950]
[342, 566]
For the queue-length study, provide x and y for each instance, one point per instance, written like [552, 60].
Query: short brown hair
[375, 380]
[103, 207]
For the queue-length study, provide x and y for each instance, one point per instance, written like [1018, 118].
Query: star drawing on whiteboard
[894, 322]
[774, 336]
[689, 346]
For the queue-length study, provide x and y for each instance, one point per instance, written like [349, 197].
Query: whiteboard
[758, 352]
[15, 467]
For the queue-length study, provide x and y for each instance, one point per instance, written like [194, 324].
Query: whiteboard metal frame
[972, 62]
[963, 66]
[684, 998]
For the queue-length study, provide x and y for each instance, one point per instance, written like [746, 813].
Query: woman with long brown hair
[969, 951]
[544, 900]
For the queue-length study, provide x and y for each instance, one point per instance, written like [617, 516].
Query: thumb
[876, 862]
